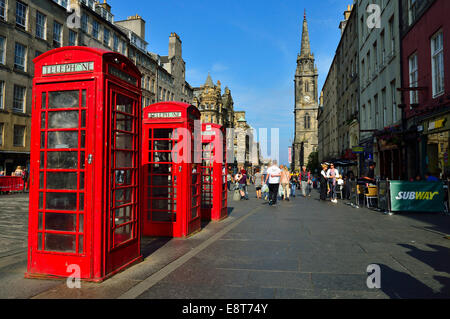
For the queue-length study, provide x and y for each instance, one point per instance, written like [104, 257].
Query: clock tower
[306, 103]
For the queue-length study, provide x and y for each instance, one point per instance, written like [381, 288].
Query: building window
[3, 9]
[72, 38]
[57, 34]
[19, 57]
[84, 22]
[307, 121]
[37, 53]
[392, 35]
[383, 105]
[19, 136]
[413, 78]
[95, 28]
[21, 14]
[116, 43]
[394, 101]
[437, 62]
[1, 134]
[2, 50]
[106, 37]
[2, 94]
[19, 99]
[411, 11]
[40, 25]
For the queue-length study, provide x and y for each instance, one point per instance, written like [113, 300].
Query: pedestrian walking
[333, 176]
[258, 183]
[243, 185]
[285, 183]
[25, 176]
[305, 178]
[273, 177]
[229, 180]
[294, 182]
[323, 182]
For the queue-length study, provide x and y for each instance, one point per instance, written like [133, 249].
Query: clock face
[307, 99]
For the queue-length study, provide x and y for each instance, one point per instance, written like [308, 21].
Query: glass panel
[81, 205]
[41, 200]
[83, 140]
[83, 119]
[162, 216]
[124, 141]
[163, 133]
[62, 180]
[124, 159]
[162, 157]
[44, 100]
[83, 98]
[63, 119]
[194, 213]
[162, 145]
[61, 201]
[161, 168]
[124, 122]
[60, 243]
[81, 244]
[123, 196]
[161, 180]
[43, 120]
[61, 222]
[122, 234]
[62, 140]
[81, 224]
[124, 104]
[39, 241]
[42, 139]
[122, 178]
[123, 215]
[42, 160]
[41, 180]
[82, 160]
[62, 160]
[81, 186]
[162, 204]
[159, 192]
[63, 99]
[40, 221]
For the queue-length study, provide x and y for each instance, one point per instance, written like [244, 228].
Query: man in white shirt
[273, 177]
[333, 176]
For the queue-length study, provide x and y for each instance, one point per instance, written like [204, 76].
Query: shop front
[435, 148]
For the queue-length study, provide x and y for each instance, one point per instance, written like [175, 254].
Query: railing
[11, 184]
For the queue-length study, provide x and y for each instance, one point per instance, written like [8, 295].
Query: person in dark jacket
[324, 182]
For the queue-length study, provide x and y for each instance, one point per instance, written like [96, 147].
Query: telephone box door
[64, 214]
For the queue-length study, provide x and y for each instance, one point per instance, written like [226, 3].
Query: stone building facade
[306, 103]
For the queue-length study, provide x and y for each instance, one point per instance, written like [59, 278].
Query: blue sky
[250, 46]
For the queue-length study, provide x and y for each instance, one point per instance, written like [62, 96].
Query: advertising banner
[417, 196]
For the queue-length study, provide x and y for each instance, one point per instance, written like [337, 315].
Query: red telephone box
[214, 173]
[85, 164]
[172, 179]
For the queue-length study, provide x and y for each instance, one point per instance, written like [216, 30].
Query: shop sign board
[416, 196]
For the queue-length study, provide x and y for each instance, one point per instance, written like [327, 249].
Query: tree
[313, 162]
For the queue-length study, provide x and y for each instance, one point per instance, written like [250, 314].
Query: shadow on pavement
[151, 244]
[399, 285]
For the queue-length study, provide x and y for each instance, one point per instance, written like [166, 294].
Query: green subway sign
[417, 196]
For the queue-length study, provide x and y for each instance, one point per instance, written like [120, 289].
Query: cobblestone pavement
[299, 249]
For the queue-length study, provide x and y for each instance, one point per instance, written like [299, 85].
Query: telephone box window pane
[44, 101]
[162, 204]
[81, 245]
[42, 160]
[123, 215]
[43, 120]
[62, 140]
[81, 202]
[162, 145]
[122, 178]
[162, 180]
[63, 119]
[83, 140]
[42, 139]
[159, 192]
[124, 123]
[81, 224]
[124, 159]
[63, 100]
[162, 216]
[163, 133]
[124, 104]
[123, 197]
[60, 243]
[62, 180]
[124, 141]
[61, 201]
[162, 157]
[122, 234]
[40, 221]
[161, 168]
[83, 98]
[62, 160]
[81, 181]
[194, 212]
[41, 200]
[41, 180]
[61, 222]
[83, 119]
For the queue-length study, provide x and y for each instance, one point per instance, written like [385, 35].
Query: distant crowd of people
[19, 172]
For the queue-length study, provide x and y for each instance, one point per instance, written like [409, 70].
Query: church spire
[306, 47]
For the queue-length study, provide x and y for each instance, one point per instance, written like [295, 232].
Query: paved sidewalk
[299, 249]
